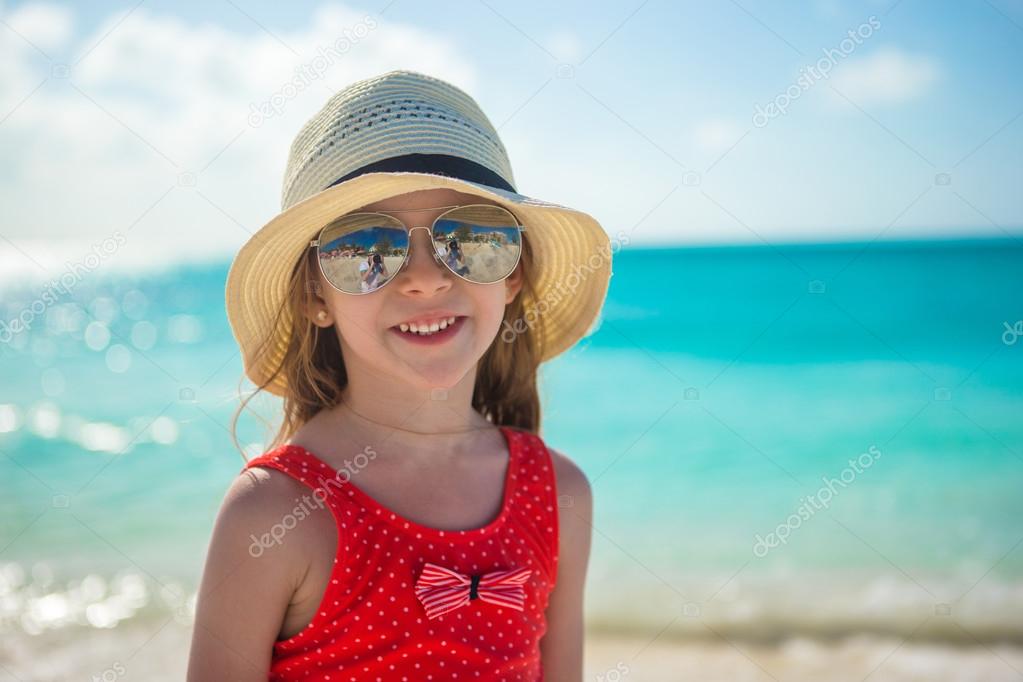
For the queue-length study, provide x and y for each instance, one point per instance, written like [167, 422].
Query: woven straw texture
[572, 253]
[400, 112]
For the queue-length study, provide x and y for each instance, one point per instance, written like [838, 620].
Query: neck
[423, 417]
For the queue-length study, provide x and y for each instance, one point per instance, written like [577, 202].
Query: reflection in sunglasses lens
[479, 243]
[361, 252]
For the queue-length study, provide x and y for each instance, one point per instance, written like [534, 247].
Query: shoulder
[253, 569]
[267, 529]
[259, 493]
[575, 536]
[258, 501]
[575, 515]
[571, 482]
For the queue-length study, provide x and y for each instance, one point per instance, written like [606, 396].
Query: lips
[425, 337]
[427, 326]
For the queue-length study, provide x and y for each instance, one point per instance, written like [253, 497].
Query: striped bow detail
[441, 589]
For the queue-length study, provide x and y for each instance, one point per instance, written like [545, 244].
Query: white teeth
[426, 329]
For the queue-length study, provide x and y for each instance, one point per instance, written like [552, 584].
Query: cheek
[356, 320]
[490, 307]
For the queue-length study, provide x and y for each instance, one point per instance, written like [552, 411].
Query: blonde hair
[505, 391]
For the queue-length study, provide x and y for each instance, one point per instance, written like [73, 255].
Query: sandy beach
[157, 652]
[853, 659]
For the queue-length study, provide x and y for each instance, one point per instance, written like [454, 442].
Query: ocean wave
[761, 610]
[765, 608]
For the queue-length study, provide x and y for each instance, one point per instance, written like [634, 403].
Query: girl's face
[367, 324]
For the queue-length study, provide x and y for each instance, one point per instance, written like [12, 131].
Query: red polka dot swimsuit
[372, 625]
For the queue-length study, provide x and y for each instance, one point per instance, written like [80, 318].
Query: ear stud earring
[321, 315]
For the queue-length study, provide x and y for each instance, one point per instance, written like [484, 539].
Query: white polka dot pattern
[370, 624]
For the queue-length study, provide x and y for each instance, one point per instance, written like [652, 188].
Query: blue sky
[134, 117]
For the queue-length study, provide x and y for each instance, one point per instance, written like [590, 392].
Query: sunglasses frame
[314, 243]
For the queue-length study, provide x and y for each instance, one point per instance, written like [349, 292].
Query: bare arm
[562, 646]
[245, 592]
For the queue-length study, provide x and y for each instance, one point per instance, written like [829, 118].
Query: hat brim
[571, 259]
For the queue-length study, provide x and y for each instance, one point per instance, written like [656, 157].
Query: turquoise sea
[715, 411]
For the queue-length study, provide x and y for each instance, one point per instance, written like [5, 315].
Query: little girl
[407, 521]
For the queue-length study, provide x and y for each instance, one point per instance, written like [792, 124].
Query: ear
[319, 315]
[315, 307]
[513, 284]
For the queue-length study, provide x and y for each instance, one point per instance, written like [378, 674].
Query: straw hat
[395, 133]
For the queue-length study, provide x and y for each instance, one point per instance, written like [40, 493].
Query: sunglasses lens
[361, 252]
[481, 243]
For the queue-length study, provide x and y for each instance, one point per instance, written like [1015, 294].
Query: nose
[423, 273]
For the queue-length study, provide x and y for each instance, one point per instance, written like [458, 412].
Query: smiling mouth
[430, 329]
[436, 332]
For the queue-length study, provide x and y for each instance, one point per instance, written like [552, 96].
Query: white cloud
[566, 46]
[157, 97]
[44, 25]
[886, 76]
[716, 135]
